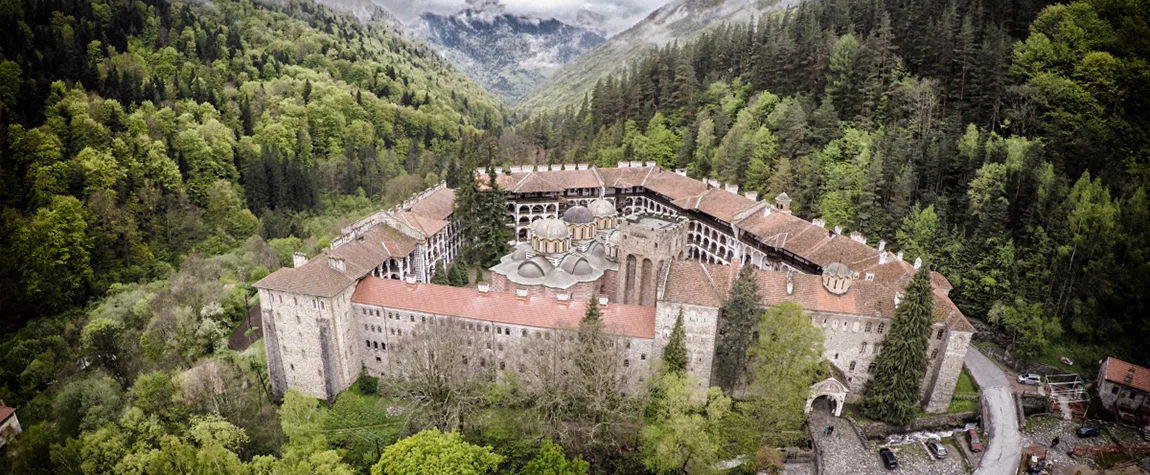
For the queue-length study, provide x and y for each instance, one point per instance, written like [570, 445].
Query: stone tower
[647, 244]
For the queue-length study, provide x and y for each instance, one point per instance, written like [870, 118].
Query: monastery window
[498, 331]
[399, 332]
[870, 368]
[626, 363]
[487, 329]
[423, 319]
[876, 348]
[628, 344]
[519, 368]
[863, 347]
[643, 356]
[547, 336]
[482, 363]
[538, 335]
[297, 319]
[413, 319]
[1114, 390]
[500, 347]
[934, 353]
[303, 352]
[502, 366]
[313, 304]
[281, 297]
[375, 344]
[392, 330]
[363, 311]
[383, 346]
[292, 367]
[295, 300]
[319, 372]
[365, 327]
[525, 350]
[524, 332]
[867, 328]
[836, 356]
[488, 344]
[939, 337]
[321, 305]
[378, 359]
[368, 343]
[852, 366]
[881, 328]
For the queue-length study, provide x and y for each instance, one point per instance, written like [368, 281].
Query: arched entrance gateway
[832, 390]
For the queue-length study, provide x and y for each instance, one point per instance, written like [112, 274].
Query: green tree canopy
[431, 451]
[892, 393]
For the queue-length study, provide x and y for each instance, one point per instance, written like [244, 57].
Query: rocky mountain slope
[507, 54]
[677, 21]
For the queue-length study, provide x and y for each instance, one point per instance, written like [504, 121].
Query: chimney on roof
[681, 171]
[563, 297]
[732, 188]
[882, 256]
[858, 237]
[298, 259]
[897, 299]
[783, 202]
[790, 284]
[838, 230]
[898, 256]
[820, 222]
[882, 244]
[621, 164]
[917, 263]
[751, 195]
[337, 263]
[409, 279]
[483, 287]
[603, 301]
[521, 293]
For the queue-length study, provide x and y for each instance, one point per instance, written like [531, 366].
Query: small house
[1125, 390]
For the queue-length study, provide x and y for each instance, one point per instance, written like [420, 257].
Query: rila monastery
[646, 242]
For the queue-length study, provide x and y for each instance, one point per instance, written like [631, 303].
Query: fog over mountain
[607, 17]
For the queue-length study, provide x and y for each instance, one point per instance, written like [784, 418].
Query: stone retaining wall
[880, 430]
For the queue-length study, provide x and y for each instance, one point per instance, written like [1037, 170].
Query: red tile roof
[501, 307]
[5, 412]
[438, 205]
[1117, 370]
[709, 284]
[425, 225]
[360, 256]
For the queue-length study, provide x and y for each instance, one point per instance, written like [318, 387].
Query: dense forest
[159, 157]
[1013, 157]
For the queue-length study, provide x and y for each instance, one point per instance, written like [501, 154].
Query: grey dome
[578, 215]
[601, 208]
[532, 269]
[550, 228]
[613, 238]
[520, 253]
[596, 249]
[838, 269]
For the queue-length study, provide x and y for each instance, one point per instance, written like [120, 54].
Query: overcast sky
[617, 15]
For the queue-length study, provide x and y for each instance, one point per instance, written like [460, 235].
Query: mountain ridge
[679, 20]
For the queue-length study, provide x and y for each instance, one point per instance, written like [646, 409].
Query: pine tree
[675, 353]
[457, 275]
[892, 394]
[737, 319]
[440, 275]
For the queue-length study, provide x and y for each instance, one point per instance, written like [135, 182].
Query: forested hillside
[1015, 158]
[151, 152]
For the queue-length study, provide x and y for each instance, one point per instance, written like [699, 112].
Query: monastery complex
[647, 242]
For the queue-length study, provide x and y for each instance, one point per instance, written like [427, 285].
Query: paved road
[1001, 420]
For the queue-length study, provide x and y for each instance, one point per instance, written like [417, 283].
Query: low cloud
[612, 16]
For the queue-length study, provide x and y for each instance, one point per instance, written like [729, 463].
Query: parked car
[936, 448]
[1088, 431]
[888, 459]
[975, 441]
[1030, 378]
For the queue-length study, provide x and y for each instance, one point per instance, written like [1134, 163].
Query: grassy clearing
[358, 422]
[961, 405]
[965, 385]
[1085, 358]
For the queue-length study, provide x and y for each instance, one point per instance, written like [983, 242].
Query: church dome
[520, 253]
[601, 208]
[837, 269]
[534, 268]
[577, 215]
[550, 228]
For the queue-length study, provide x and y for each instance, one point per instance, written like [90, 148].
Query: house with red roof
[1124, 389]
[9, 424]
